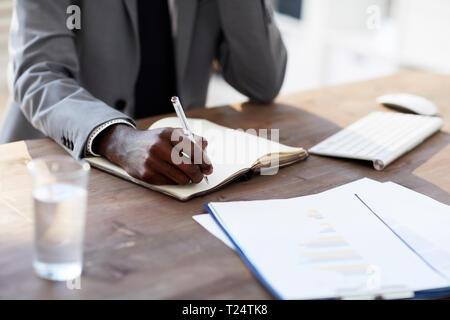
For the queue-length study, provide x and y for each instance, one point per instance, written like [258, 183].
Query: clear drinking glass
[59, 189]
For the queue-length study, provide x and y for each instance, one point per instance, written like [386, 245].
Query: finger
[169, 171]
[193, 171]
[201, 141]
[206, 165]
[158, 179]
[166, 133]
[193, 150]
[198, 155]
[176, 135]
[164, 152]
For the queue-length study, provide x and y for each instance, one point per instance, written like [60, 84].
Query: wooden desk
[142, 244]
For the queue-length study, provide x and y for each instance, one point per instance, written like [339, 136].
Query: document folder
[334, 245]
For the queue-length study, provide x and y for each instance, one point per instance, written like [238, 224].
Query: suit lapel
[185, 15]
[131, 6]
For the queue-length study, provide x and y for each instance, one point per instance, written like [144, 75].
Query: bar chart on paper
[329, 251]
[325, 245]
[303, 242]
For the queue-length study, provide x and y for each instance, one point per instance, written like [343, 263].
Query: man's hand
[147, 155]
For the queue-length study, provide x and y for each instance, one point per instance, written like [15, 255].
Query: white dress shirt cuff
[98, 130]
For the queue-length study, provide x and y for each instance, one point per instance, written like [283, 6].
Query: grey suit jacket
[65, 83]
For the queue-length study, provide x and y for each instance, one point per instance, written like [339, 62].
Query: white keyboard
[380, 137]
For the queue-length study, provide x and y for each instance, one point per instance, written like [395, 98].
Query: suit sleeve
[251, 54]
[46, 73]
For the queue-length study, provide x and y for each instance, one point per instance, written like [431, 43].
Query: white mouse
[408, 102]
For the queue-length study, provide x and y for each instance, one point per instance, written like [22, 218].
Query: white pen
[180, 113]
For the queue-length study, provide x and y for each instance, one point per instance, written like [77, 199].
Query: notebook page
[228, 146]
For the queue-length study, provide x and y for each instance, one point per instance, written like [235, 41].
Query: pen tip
[174, 99]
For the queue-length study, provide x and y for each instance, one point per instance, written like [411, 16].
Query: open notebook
[232, 153]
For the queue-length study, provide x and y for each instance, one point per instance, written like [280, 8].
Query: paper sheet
[207, 222]
[421, 221]
[324, 245]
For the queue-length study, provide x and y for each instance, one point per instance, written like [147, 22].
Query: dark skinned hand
[148, 154]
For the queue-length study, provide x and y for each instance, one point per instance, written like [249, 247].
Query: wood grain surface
[142, 244]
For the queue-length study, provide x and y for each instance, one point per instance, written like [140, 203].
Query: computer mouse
[408, 102]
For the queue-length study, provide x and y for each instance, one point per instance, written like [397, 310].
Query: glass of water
[59, 189]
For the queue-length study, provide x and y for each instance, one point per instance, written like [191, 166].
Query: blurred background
[332, 42]
[336, 41]
[5, 20]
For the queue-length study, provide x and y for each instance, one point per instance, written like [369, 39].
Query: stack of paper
[363, 239]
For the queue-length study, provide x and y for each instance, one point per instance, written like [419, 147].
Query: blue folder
[426, 294]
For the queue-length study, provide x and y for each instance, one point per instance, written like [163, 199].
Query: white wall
[333, 43]
[424, 33]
